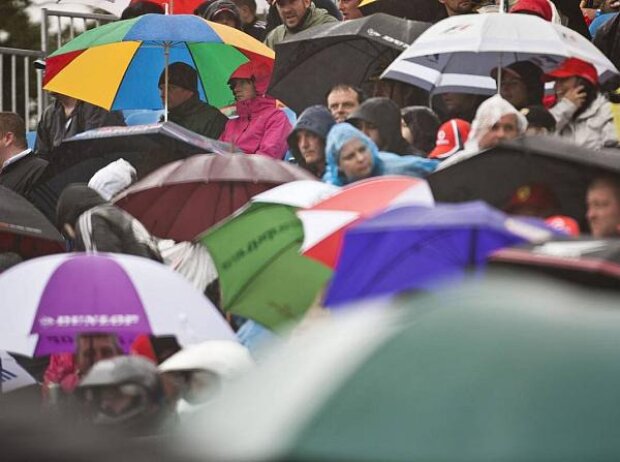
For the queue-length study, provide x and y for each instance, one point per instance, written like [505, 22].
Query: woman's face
[564, 85]
[355, 160]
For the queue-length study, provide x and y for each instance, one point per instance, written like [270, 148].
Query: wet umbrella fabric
[184, 198]
[588, 261]
[305, 67]
[418, 10]
[61, 296]
[118, 65]
[513, 369]
[257, 254]
[494, 175]
[420, 248]
[459, 53]
[24, 229]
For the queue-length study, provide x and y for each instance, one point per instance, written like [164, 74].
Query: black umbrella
[348, 52]
[494, 175]
[418, 10]
[588, 261]
[24, 230]
[146, 147]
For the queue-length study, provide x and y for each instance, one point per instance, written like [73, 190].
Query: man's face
[341, 103]
[514, 91]
[292, 11]
[454, 7]
[457, 103]
[506, 128]
[176, 95]
[93, 348]
[349, 9]
[603, 213]
[311, 147]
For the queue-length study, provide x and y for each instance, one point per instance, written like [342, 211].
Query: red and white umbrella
[325, 223]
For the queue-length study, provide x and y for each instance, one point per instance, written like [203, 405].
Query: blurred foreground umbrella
[48, 301]
[409, 248]
[494, 175]
[256, 252]
[511, 370]
[12, 375]
[361, 47]
[459, 53]
[184, 198]
[419, 10]
[325, 222]
[24, 230]
[588, 261]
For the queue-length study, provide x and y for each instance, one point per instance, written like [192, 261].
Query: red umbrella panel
[325, 223]
[184, 198]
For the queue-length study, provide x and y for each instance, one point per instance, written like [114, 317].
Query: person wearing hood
[196, 375]
[521, 84]
[419, 127]
[260, 128]
[353, 156]
[308, 138]
[93, 224]
[185, 107]
[113, 178]
[250, 23]
[379, 118]
[496, 120]
[223, 12]
[583, 115]
[296, 16]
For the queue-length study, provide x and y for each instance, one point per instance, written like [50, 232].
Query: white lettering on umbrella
[90, 320]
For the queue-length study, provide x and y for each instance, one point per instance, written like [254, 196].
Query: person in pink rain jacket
[261, 127]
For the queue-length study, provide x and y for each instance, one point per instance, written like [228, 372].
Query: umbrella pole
[166, 59]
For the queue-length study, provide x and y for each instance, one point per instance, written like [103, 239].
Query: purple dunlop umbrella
[47, 301]
[410, 248]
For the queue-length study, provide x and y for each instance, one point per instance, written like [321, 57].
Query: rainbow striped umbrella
[117, 66]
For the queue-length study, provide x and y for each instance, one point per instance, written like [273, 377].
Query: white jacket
[594, 128]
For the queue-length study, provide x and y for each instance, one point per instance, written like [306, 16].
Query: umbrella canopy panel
[361, 47]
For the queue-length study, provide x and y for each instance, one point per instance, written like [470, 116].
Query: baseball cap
[573, 67]
[540, 8]
[451, 138]
[531, 195]
[563, 223]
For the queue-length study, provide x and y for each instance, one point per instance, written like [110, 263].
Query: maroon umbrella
[184, 198]
[24, 230]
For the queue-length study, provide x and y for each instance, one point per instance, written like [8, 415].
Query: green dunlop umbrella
[262, 274]
[499, 370]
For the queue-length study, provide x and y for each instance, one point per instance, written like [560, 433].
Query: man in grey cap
[185, 107]
[307, 140]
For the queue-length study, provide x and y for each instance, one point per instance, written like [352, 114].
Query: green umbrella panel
[262, 274]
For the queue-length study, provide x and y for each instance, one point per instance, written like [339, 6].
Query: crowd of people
[358, 133]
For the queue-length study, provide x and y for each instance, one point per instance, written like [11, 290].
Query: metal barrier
[20, 84]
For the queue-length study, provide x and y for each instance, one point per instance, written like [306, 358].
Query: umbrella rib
[189, 50]
[118, 89]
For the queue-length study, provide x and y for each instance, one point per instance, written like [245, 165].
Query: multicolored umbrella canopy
[512, 370]
[325, 222]
[413, 248]
[184, 198]
[117, 65]
[61, 296]
[256, 252]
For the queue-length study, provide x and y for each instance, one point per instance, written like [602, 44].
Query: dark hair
[361, 95]
[10, 122]
[202, 8]
[140, 8]
[424, 124]
[251, 4]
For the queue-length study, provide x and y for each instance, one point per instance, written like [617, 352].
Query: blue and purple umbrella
[47, 301]
[415, 248]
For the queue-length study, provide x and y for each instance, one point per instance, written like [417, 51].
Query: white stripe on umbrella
[171, 304]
